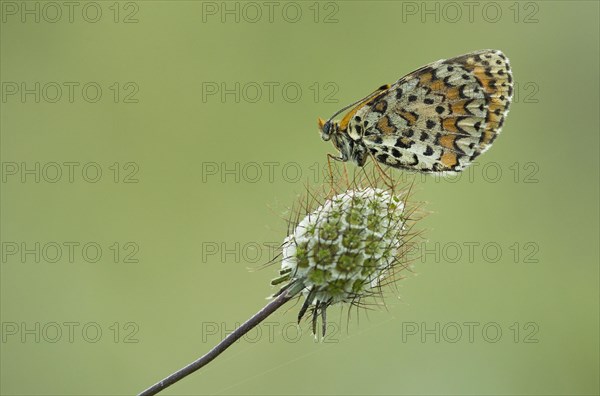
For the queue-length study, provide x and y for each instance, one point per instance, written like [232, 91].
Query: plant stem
[223, 345]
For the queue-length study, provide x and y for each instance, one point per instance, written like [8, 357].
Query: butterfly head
[348, 148]
[327, 128]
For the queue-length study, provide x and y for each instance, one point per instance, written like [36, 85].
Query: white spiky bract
[343, 250]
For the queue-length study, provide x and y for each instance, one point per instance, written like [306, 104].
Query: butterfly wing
[440, 117]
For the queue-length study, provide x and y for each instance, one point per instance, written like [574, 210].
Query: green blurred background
[193, 181]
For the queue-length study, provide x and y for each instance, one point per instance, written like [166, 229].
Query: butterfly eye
[326, 131]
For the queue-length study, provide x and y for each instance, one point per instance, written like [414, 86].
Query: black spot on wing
[382, 158]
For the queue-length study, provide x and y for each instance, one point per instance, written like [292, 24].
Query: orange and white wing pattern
[438, 118]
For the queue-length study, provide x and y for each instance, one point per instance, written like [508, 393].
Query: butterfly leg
[332, 183]
[346, 179]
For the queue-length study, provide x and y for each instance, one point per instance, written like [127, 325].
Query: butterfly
[437, 119]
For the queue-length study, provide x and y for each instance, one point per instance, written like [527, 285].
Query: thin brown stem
[223, 345]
